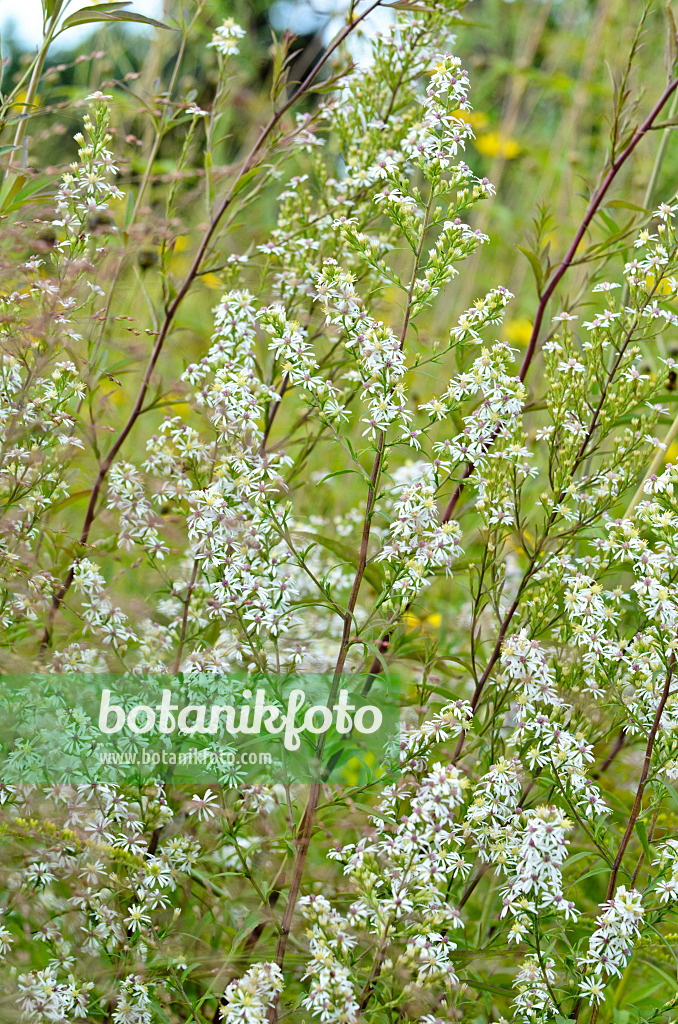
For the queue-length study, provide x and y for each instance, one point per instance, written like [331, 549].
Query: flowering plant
[294, 493]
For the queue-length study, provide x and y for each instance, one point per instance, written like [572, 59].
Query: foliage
[245, 427]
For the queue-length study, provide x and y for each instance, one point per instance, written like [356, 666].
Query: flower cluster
[43, 997]
[225, 39]
[85, 189]
[536, 880]
[229, 523]
[104, 618]
[380, 357]
[331, 996]
[418, 543]
[534, 1001]
[540, 722]
[611, 945]
[250, 997]
[126, 494]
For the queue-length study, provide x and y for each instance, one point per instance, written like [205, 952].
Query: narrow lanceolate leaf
[671, 43]
[641, 832]
[18, 193]
[343, 551]
[9, 190]
[533, 260]
[411, 5]
[109, 12]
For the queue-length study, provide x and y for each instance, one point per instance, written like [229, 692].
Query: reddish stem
[593, 207]
[635, 811]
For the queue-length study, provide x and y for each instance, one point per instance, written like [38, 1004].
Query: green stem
[32, 90]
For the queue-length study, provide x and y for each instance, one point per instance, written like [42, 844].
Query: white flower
[592, 989]
[136, 917]
[224, 40]
[248, 999]
[205, 805]
[6, 939]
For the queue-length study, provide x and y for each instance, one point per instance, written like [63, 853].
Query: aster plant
[302, 487]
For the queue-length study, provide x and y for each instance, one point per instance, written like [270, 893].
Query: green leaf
[445, 692]
[346, 553]
[252, 921]
[622, 204]
[578, 856]
[671, 43]
[244, 180]
[368, 809]
[484, 987]
[78, 496]
[343, 472]
[644, 995]
[642, 836]
[9, 190]
[169, 290]
[14, 195]
[596, 871]
[609, 223]
[189, 970]
[108, 12]
[108, 7]
[411, 5]
[533, 260]
[669, 788]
